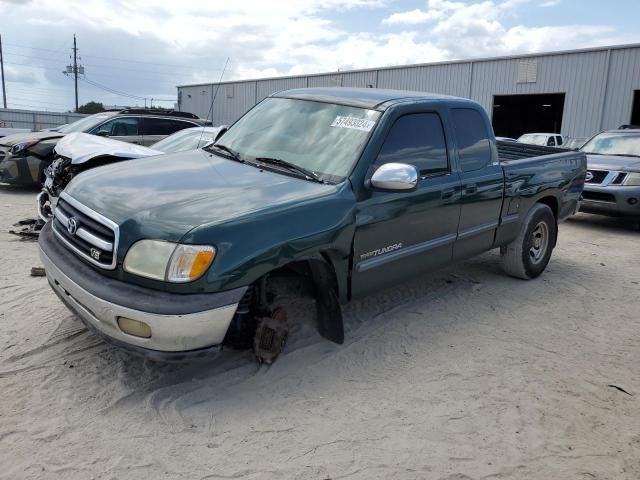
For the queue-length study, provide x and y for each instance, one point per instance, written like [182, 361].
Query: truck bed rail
[516, 151]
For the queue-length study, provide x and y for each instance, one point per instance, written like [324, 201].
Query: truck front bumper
[181, 326]
[611, 200]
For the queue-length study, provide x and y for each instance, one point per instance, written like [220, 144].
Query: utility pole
[75, 68]
[4, 91]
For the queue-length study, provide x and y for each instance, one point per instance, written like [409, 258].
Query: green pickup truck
[351, 190]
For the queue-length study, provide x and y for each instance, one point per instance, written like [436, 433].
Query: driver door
[400, 234]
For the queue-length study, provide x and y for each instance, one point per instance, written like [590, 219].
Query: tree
[91, 107]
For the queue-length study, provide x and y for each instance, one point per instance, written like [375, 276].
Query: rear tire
[528, 255]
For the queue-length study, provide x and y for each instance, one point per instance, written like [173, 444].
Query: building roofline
[431, 64]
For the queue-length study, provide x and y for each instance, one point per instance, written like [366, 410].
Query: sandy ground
[463, 374]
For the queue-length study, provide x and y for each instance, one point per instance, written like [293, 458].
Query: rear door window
[164, 126]
[417, 139]
[474, 150]
[119, 127]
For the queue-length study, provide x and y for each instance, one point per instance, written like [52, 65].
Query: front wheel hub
[271, 336]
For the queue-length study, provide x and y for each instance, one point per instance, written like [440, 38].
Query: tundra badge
[381, 251]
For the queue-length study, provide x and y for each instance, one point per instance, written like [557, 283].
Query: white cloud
[188, 41]
[413, 17]
[477, 29]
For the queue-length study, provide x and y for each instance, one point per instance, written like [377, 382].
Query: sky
[136, 50]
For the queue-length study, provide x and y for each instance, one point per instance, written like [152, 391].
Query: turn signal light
[134, 327]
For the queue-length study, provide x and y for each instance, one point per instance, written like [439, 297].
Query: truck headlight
[632, 180]
[167, 261]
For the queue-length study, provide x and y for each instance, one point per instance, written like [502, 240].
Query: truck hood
[166, 196]
[613, 162]
[17, 138]
[82, 147]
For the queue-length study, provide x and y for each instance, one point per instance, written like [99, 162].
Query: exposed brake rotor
[271, 336]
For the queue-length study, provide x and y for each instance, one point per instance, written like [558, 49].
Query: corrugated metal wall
[449, 79]
[34, 119]
[579, 76]
[623, 79]
[598, 85]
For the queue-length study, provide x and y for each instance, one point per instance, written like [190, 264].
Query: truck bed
[516, 151]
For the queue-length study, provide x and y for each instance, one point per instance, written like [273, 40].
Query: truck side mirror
[395, 177]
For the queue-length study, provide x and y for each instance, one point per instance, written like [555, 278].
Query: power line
[34, 107]
[36, 48]
[26, 99]
[124, 94]
[173, 79]
[117, 59]
[95, 65]
[35, 89]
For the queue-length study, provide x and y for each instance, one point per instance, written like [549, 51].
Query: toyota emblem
[588, 177]
[72, 226]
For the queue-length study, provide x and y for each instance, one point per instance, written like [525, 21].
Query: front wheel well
[313, 277]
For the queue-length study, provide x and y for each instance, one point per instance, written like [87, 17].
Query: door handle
[448, 193]
[470, 189]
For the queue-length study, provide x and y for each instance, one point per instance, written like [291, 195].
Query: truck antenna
[215, 94]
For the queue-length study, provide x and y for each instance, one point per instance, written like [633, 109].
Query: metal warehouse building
[576, 93]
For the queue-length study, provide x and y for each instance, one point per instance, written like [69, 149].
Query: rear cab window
[416, 139]
[474, 149]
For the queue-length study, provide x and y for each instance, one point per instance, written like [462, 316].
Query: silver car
[612, 184]
[25, 157]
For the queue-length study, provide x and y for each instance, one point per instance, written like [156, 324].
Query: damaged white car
[78, 152]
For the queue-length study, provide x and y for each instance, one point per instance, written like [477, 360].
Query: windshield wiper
[308, 174]
[232, 153]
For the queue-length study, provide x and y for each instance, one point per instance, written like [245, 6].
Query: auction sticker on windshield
[353, 123]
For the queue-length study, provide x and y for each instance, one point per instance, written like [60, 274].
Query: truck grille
[598, 176]
[87, 233]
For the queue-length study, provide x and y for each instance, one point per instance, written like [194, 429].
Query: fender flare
[329, 312]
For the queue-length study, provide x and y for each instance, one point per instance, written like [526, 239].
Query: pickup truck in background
[543, 139]
[351, 190]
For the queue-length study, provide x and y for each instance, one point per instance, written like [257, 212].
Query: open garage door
[635, 110]
[514, 115]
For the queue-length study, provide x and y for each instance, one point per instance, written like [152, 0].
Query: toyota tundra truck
[349, 190]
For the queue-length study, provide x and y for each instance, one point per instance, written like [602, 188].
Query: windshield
[188, 139]
[533, 139]
[614, 144]
[85, 124]
[323, 138]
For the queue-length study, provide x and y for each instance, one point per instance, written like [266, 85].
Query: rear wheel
[528, 255]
